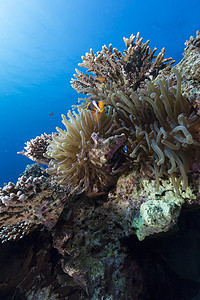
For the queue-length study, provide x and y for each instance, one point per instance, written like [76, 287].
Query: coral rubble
[121, 193]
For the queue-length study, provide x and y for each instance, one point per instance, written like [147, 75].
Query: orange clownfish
[96, 107]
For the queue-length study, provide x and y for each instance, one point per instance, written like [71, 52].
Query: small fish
[101, 78]
[51, 114]
[96, 107]
[127, 149]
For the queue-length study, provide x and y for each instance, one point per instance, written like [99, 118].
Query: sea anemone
[76, 160]
[160, 126]
[162, 129]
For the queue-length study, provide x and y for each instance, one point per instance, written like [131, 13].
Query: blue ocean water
[41, 44]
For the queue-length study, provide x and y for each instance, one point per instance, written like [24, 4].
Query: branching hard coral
[194, 42]
[32, 201]
[72, 152]
[109, 66]
[36, 148]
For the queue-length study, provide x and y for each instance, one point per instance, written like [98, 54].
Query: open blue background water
[41, 43]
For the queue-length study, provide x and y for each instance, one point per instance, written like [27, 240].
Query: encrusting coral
[145, 210]
[32, 201]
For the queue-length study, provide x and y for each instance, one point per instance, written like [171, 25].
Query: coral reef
[34, 200]
[145, 210]
[116, 215]
[161, 129]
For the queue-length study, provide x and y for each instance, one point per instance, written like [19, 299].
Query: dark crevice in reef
[170, 264]
[32, 264]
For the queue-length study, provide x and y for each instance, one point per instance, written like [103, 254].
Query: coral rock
[29, 203]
